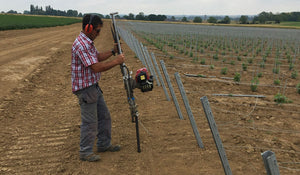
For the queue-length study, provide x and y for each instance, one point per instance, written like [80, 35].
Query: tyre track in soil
[15, 44]
[35, 127]
[34, 140]
[23, 50]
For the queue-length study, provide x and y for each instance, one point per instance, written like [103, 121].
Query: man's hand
[104, 66]
[120, 58]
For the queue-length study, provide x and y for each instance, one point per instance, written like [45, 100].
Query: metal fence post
[144, 56]
[160, 76]
[270, 163]
[188, 109]
[140, 52]
[216, 136]
[151, 66]
[163, 67]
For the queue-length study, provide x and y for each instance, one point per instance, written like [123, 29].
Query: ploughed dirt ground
[40, 117]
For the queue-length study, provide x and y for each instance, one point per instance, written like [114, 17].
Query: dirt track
[40, 117]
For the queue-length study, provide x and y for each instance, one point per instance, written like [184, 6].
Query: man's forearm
[104, 66]
[104, 56]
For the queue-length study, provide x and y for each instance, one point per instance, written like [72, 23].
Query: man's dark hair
[95, 21]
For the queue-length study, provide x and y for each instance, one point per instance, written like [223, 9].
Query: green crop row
[10, 22]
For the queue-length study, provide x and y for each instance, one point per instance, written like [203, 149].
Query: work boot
[90, 158]
[111, 148]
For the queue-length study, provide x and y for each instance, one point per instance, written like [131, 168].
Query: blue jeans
[95, 120]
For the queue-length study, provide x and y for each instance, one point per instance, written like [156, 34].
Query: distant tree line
[264, 17]
[225, 20]
[142, 16]
[153, 17]
[11, 11]
[36, 10]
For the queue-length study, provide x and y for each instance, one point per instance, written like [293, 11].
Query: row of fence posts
[149, 61]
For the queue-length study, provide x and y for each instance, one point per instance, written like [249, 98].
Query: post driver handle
[117, 35]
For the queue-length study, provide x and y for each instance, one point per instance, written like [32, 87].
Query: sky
[163, 7]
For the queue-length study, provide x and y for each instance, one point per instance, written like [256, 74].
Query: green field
[10, 22]
[291, 24]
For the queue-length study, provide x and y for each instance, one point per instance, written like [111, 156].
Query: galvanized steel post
[160, 76]
[163, 67]
[189, 111]
[270, 163]
[216, 136]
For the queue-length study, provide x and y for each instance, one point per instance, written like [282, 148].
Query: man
[86, 67]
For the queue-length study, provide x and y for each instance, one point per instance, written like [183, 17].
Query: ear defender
[89, 27]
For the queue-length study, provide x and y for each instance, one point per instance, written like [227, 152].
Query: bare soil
[40, 117]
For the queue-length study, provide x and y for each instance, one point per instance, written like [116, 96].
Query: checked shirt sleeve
[87, 57]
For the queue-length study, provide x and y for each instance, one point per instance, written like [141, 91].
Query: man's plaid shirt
[84, 54]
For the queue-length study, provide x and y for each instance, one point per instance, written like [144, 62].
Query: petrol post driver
[142, 81]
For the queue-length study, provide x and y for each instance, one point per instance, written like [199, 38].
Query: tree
[131, 16]
[263, 17]
[173, 18]
[226, 20]
[72, 13]
[152, 17]
[32, 8]
[277, 19]
[243, 19]
[184, 19]
[126, 17]
[36, 10]
[212, 20]
[197, 19]
[12, 11]
[294, 16]
[140, 16]
[161, 17]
